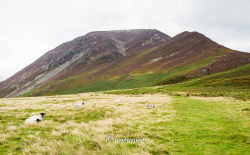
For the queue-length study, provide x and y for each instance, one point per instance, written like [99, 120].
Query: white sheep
[35, 119]
[79, 105]
[151, 106]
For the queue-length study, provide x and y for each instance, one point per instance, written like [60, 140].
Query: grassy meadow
[179, 124]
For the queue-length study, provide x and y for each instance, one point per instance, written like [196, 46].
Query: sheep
[151, 106]
[79, 105]
[35, 119]
[207, 71]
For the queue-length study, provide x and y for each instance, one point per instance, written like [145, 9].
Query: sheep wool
[34, 119]
[151, 106]
[79, 105]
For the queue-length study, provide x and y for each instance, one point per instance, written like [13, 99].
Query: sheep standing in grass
[79, 105]
[35, 119]
[151, 106]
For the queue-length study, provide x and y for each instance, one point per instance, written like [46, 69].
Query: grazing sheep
[207, 71]
[79, 105]
[35, 119]
[151, 106]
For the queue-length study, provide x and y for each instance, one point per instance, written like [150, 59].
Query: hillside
[123, 59]
[233, 83]
[80, 55]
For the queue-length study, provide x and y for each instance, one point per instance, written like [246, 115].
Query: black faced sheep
[35, 119]
[79, 105]
[151, 106]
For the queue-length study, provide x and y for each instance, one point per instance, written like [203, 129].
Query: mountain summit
[105, 60]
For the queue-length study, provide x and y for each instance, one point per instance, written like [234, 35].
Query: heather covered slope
[233, 83]
[180, 58]
[92, 49]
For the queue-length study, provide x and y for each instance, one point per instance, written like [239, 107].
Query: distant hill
[105, 60]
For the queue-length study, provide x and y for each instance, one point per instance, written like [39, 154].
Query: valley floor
[123, 124]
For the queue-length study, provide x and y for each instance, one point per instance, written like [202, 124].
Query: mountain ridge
[103, 55]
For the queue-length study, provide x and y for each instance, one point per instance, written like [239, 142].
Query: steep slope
[185, 56]
[94, 48]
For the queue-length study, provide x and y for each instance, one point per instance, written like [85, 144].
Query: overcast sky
[30, 28]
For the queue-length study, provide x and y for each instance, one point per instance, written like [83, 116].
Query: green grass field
[178, 125]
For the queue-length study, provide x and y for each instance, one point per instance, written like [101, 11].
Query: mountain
[106, 60]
